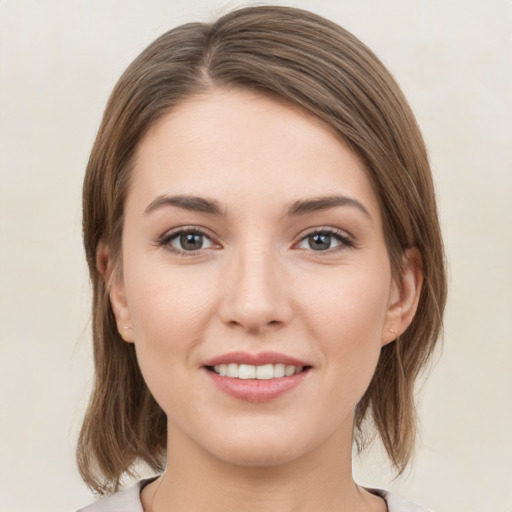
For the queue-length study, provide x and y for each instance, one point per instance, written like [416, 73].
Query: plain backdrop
[59, 61]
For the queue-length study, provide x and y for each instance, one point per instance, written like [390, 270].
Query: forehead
[240, 147]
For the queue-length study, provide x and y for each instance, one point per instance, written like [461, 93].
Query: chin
[257, 456]
[258, 447]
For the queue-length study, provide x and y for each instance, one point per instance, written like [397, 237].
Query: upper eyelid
[324, 229]
[171, 233]
[166, 240]
[346, 240]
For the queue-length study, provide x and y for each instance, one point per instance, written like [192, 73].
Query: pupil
[191, 242]
[319, 242]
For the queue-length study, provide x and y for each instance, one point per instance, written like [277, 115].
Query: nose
[255, 297]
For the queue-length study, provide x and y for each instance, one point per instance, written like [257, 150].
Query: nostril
[263, 327]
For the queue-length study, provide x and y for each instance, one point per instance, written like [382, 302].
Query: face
[255, 281]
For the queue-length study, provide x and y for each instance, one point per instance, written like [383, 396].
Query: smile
[260, 372]
[256, 378]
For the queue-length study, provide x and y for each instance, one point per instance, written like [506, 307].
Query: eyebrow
[210, 206]
[303, 207]
[193, 203]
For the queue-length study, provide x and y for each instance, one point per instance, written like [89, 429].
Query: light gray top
[128, 500]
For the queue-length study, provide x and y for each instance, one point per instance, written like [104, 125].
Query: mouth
[256, 378]
[258, 372]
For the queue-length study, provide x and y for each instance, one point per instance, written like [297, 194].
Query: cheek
[350, 304]
[165, 306]
[347, 318]
[169, 313]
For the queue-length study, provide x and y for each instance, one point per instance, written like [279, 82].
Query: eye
[186, 241]
[324, 241]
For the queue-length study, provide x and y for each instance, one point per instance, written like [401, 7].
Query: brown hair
[308, 61]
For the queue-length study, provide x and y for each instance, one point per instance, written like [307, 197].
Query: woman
[262, 237]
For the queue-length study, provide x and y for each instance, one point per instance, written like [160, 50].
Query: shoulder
[396, 504]
[127, 500]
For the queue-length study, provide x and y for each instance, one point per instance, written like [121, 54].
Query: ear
[404, 297]
[115, 286]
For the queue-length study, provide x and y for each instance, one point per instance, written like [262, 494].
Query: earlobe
[116, 290]
[404, 297]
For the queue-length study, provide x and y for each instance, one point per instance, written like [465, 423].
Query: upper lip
[255, 359]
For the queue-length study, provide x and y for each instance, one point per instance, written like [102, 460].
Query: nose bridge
[255, 296]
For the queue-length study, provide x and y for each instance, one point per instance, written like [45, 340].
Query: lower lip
[257, 390]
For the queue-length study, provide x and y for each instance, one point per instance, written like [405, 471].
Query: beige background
[59, 61]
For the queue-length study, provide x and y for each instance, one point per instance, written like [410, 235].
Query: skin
[256, 285]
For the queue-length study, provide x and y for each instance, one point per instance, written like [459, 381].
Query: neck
[321, 480]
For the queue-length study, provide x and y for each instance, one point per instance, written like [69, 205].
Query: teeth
[289, 370]
[263, 372]
[246, 371]
[279, 370]
[232, 370]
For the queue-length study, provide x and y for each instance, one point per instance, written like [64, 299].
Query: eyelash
[166, 239]
[345, 241]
